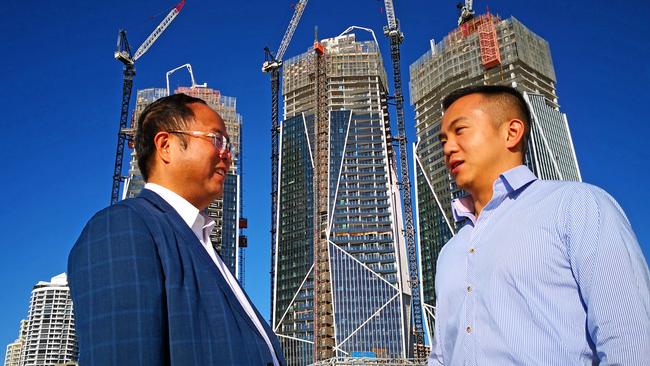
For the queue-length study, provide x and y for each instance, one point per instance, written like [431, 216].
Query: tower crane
[466, 11]
[123, 54]
[396, 37]
[272, 65]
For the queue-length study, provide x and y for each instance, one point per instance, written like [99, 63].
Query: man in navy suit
[147, 285]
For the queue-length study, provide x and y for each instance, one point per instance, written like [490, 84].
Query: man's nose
[449, 146]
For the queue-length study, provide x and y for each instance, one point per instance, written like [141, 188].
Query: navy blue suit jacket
[146, 292]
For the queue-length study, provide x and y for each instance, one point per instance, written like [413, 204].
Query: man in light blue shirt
[541, 272]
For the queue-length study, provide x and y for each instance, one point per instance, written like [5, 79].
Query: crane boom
[390, 14]
[396, 37]
[158, 31]
[288, 34]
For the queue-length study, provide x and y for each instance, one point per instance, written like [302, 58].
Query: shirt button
[468, 329]
[472, 250]
[469, 288]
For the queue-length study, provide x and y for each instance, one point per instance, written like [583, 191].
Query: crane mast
[396, 37]
[123, 54]
[272, 66]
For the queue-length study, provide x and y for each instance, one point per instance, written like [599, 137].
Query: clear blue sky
[61, 91]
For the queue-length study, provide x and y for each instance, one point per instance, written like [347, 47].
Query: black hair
[501, 94]
[165, 114]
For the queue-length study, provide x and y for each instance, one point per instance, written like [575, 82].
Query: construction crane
[466, 11]
[394, 34]
[272, 65]
[189, 69]
[123, 54]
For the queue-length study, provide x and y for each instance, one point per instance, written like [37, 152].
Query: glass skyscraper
[370, 296]
[483, 51]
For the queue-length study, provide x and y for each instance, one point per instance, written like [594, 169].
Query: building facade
[48, 335]
[226, 211]
[367, 261]
[14, 349]
[483, 51]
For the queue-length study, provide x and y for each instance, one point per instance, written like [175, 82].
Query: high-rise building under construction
[361, 285]
[226, 237]
[484, 50]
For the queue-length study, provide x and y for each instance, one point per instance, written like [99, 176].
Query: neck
[174, 187]
[483, 191]
[481, 197]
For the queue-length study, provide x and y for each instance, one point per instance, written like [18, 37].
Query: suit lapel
[199, 252]
[271, 334]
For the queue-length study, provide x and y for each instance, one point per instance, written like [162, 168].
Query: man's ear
[514, 133]
[163, 147]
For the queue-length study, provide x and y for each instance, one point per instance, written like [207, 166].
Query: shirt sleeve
[117, 288]
[612, 276]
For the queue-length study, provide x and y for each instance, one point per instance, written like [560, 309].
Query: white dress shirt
[202, 226]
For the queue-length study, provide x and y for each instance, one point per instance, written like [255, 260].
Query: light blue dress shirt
[550, 273]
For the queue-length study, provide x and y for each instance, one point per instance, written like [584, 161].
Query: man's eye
[459, 130]
[443, 141]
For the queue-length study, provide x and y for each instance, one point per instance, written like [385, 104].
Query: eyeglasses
[221, 142]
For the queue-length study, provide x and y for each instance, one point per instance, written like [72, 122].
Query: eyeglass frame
[216, 139]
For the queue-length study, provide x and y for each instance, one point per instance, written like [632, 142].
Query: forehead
[206, 119]
[463, 108]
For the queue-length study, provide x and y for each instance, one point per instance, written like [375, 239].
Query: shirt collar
[506, 184]
[190, 214]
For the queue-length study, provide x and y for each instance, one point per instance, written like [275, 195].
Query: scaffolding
[323, 313]
[351, 62]
[483, 49]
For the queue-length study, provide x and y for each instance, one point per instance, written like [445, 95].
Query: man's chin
[460, 181]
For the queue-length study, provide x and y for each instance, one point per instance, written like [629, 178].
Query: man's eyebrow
[221, 132]
[443, 135]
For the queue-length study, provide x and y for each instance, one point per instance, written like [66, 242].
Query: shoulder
[574, 197]
[566, 188]
[129, 211]
[123, 220]
[584, 199]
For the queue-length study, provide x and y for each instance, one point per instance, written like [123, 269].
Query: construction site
[349, 283]
[339, 196]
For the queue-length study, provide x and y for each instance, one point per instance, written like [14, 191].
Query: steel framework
[323, 314]
[272, 65]
[393, 32]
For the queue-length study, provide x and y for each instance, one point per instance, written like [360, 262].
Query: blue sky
[61, 91]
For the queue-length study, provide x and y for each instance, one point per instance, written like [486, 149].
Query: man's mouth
[454, 166]
[221, 172]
